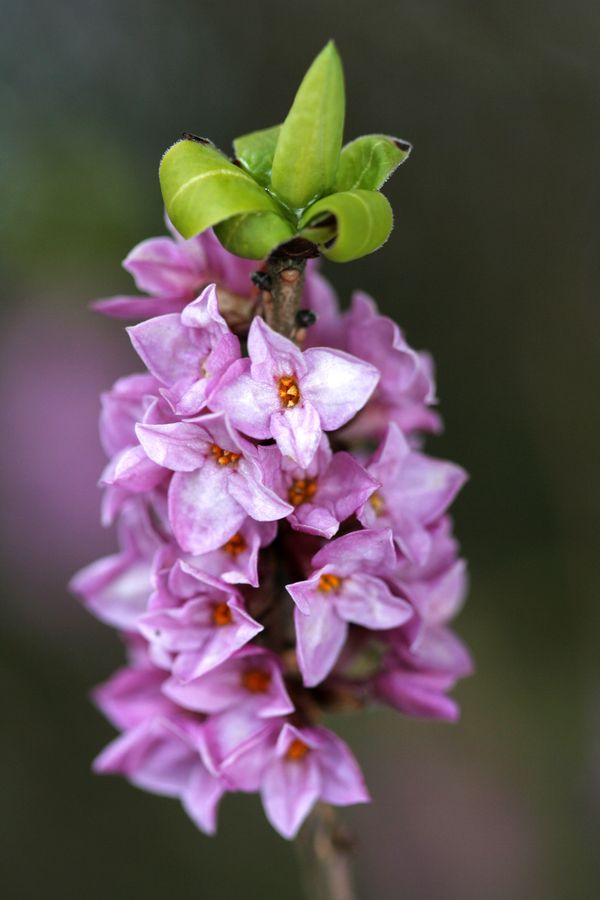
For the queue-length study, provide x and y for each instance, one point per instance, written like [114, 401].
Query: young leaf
[363, 221]
[367, 162]
[308, 148]
[201, 187]
[254, 235]
[255, 152]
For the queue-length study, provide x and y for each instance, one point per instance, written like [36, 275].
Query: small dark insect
[188, 136]
[305, 318]
[262, 280]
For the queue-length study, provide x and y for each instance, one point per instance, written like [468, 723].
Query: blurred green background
[493, 266]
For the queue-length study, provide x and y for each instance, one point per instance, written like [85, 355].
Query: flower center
[256, 681]
[329, 582]
[221, 615]
[235, 545]
[297, 750]
[301, 490]
[377, 503]
[289, 392]
[224, 457]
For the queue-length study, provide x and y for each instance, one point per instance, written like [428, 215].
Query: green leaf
[363, 221]
[308, 148]
[201, 188]
[254, 235]
[255, 151]
[367, 162]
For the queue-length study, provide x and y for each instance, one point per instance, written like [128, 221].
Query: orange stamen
[256, 681]
[221, 615]
[377, 502]
[235, 545]
[301, 490]
[297, 750]
[329, 582]
[224, 457]
[289, 392]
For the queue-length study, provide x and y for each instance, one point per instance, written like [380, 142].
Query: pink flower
[217, 483]
[293, 768]
[174, 271]
[165, 756]
[251, 678]
[236, 560]
[418, 672]
[414, 491]
[116, 589]
[325, 493]
[345, 586]
[291, 396]
[197, 628]
[187, 352]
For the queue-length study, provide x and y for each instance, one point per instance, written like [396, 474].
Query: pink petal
[272, 355]
[337, 384]
[366, 600]
[201, 797]
[169, 349]
[247, 403]
[161, 266]
[180, 446]
[202, 512]
[341, 777]
[255, 498]
[297, 432]
[134, 308]
[289, 790]
[320, 636]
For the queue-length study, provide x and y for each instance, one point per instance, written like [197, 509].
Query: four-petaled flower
[282, 393]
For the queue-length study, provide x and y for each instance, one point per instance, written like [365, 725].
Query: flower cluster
[285, 546]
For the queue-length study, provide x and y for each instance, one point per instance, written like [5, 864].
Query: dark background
[493, 266]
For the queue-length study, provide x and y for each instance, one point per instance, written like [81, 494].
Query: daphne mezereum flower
[348, 585]
[325, 493]
[293, 768]
[415, 490]
[285, 545]
[186, 352]
[173, 272]
[282, 393]
[217, 482]
[195, 623]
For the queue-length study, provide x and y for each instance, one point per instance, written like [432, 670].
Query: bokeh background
[493, 266]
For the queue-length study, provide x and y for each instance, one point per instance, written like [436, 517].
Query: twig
[284, 284]
[324, 848]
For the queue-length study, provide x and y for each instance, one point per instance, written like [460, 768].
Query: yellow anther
[301, 490]
[329, 582]
[289, 392]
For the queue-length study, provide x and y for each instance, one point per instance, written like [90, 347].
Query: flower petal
[297, 432]
[202, 512]
[247, 403]
[320, 636]
[289, 790]
[337, 384]
[367, 600]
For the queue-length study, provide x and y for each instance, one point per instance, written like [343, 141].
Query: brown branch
[324, 848]
[285, 282]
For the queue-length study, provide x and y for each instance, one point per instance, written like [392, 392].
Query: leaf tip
[404, 146]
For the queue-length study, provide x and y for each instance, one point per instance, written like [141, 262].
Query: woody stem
[324, 849]
[282, 295]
